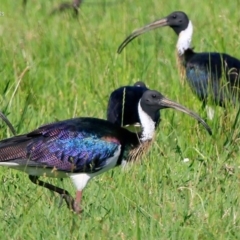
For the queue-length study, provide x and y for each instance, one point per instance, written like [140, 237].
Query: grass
[73, 67]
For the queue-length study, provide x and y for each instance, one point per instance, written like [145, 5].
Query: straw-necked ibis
[140, 84]
[74, 5]
[123, 106]
[210, 74]
[83, 148]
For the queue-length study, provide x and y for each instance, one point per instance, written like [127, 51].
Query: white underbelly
[38, 171]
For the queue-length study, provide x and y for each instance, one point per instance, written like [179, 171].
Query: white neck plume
[148, 125]
[184, 39]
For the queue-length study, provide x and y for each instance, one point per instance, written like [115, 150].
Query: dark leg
[5, 119]
[72, 205]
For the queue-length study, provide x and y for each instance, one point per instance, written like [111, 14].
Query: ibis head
[140, 84]
[153, 101]
[178, 21]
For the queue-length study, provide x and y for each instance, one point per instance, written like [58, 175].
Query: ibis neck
[148, 125]
[184, 39]
[136, 153]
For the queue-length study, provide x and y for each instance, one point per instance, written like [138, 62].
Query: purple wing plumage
[71, 146]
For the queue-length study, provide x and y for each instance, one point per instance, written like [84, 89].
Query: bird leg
[5, 119]
[77, 202]
[63, 193]
[75, 205]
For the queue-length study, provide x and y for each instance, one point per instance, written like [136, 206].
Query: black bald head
[153, 101]
[140, 84]
[178, 21]
[150, 102]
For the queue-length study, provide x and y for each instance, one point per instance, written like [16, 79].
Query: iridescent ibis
[83, 148]
[210, 74]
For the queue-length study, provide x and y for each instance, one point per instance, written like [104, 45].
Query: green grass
[73, 67]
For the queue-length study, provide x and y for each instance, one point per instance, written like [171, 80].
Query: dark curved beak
[156, 24]
[167, 103]
[5, 119]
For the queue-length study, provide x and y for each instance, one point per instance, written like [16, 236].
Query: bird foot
[76, 208]
[71, 203]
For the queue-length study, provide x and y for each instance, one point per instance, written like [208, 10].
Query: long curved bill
[156, 24]
[167, 103]
[5, 119]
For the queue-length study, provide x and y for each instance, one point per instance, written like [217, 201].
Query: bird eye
[154, 96]
[174, 16]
